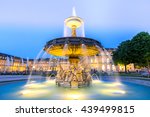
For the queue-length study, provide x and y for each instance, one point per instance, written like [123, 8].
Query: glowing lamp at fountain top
[73, 22]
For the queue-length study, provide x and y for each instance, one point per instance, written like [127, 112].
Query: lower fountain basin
[47, 90]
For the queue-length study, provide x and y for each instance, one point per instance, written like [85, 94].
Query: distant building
[9, 63]
[102, 62]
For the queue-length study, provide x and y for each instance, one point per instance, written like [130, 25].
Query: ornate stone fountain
[77, 49]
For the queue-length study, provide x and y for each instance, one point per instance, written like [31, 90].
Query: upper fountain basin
[73, 21]
[73, 46]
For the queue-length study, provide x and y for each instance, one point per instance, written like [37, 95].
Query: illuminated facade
[102, 62]
[10, 63]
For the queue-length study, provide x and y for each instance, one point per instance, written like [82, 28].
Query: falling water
[27, 63]
[38, 61]
[82, 30]
[85, 53]
[12, 61]
[71, 70]
[65, 49]
[8, 61]
[74, 12]
[7, 64]
[65, 30]
[22, 62]
[105, 54]
[116, 76]
[35, 60]
[95, 78]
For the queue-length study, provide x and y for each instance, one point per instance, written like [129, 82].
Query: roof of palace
[4, 56]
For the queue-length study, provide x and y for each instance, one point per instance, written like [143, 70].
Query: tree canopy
[122, 54]
[136, 50]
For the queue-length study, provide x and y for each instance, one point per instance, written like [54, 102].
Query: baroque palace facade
[103, 62]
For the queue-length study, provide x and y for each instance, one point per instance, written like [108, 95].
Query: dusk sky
[26, 25]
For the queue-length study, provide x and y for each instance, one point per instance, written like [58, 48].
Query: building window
[91, 60]
[108, 60]
[108, 67]
[103, 67]
[113, 68]
[103, 60]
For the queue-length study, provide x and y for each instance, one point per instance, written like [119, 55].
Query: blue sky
[26, 25]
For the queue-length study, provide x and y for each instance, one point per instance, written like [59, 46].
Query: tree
[136, 50]
[140, 47]
[122, 54]
[147, 57]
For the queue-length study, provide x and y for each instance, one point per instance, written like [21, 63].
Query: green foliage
[136, 50]
[122, 54]
[147, 58]
[140, 46]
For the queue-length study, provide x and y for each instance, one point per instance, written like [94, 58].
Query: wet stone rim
[73, 41]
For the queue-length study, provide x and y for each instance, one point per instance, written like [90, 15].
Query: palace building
[9, 63]
[102, 62]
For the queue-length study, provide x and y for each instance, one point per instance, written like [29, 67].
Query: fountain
[64, 67]
[12, 61]
[77, 49]
[22, 62]
[72, 67]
